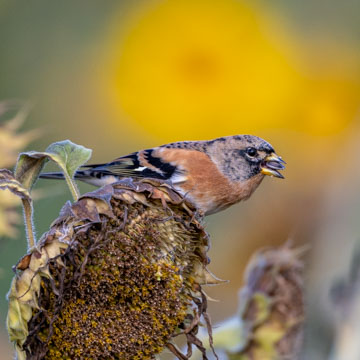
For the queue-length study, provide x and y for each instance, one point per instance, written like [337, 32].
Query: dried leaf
[8, 181]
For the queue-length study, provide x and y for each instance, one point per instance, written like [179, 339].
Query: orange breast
[207, 187]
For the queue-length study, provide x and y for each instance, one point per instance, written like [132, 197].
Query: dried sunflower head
[272, 305]
[269, 323]
[117, 276]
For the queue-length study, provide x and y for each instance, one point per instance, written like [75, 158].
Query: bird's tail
[52, 175]
[80, 175]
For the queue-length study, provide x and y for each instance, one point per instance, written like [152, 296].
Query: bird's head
[241, 157]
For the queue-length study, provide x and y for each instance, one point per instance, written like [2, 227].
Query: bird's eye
[251, 151]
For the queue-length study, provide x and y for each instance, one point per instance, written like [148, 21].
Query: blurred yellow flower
[9, 216]
[11, 143]
[204, 68]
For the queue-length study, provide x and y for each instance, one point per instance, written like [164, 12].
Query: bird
[212, 174]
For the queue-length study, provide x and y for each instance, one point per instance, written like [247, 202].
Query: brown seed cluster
[126, 283]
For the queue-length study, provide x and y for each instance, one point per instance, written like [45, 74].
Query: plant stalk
[29, 226]
[72, 186]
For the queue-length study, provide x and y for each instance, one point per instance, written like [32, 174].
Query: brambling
[211, 174]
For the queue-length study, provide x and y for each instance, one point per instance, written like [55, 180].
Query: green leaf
[67, 155]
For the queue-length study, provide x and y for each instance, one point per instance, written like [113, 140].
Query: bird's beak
[272, 164]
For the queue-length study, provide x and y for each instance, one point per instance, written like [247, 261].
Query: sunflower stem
[29, 225]
[72, 186]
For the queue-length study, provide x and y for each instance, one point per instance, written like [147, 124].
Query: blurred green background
[118, 76]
